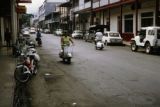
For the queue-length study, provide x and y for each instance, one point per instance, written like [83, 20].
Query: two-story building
[124, 16]
[48, 14]
[81, 14]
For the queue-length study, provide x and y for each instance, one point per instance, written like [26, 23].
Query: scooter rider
[65, 40]
[98, 36]
[38, 38]
[38, 34]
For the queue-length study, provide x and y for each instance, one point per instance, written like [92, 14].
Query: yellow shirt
[66, 40]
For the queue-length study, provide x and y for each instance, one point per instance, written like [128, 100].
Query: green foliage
[25, 21]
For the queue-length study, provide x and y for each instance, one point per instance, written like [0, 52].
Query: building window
[128, 23]
[147, 19]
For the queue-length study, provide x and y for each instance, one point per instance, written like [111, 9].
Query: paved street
[113, 77]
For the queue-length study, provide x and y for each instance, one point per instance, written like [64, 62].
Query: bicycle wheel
[20, 98]
[20, 74]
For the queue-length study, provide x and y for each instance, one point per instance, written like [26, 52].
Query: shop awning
[21, 9]
[87, 10]
[116, 4]
[66, 4]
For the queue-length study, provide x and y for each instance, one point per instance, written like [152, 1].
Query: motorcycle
[39, 41]
[28, 67]
[67, 53]
[99, 45]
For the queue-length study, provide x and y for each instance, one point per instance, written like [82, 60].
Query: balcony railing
[87, 5]
[76, 9]
[56, 19]
[113, 1]
[81, 7]
[103, 2]
[48, 21]
[96, 4]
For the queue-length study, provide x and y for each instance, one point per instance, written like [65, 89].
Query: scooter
[39, 41]
[66, 54]
[29, 63]
[99, 45]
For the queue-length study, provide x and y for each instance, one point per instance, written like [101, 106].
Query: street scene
[109, 78]
[80, 53]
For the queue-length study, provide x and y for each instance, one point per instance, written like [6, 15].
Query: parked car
[111, 37]
[32, 30]
[77, 34]
[26, 34]
[59, 32]
[46, 31]
[147, 38]
[89, 36]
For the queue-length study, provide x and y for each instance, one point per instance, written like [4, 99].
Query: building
[34, 21]
[48, 15]
[65, 16]
[10, 12]
[81, 14]
[124, 16]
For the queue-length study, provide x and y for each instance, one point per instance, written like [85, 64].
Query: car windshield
[114, 34]
[158, 34]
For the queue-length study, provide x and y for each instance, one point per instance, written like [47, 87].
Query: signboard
[21, 9]
[24, 1]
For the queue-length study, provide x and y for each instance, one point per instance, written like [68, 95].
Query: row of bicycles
[27, 60]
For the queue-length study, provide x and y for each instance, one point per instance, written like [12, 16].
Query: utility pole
[157, 13]
[92, 14]
[136, 7]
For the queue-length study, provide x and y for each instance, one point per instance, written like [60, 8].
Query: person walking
[8, 37]
[38, 38]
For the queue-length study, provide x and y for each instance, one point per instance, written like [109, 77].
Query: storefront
[128, 17]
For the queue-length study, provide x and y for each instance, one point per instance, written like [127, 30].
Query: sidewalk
[127, 43]
[7, 66]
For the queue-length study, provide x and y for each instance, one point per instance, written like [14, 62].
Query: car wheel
[134, 47]
[148, 48]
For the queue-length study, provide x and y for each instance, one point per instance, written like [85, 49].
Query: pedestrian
[8, 37]
[38, 35]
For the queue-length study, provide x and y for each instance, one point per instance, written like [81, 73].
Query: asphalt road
[113, 77]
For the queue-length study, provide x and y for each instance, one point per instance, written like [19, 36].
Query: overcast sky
[33, 7]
